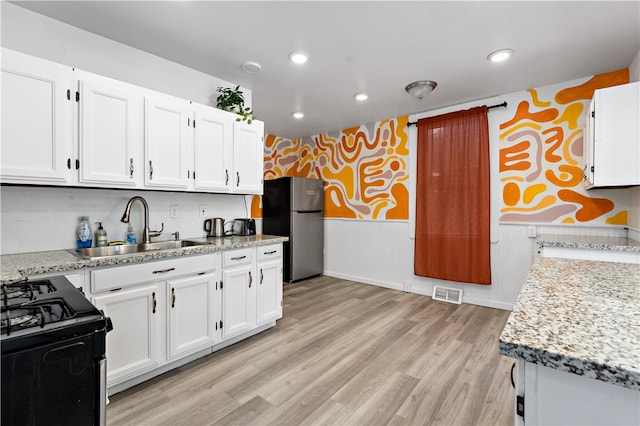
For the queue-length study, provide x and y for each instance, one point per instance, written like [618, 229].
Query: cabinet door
[166, 145]
[238, 300]
[193, 310]
[269, 291]
[133, 344]
[248, 152]
[213, 150]
[109, 136]
[37, 143]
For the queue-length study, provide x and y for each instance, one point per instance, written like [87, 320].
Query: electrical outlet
[204, 211]
[173, 211]
[531, 231]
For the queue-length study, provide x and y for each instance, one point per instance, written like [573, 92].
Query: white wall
[34, 219]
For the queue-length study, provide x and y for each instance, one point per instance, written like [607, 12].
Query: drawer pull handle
[250, 279]
[131, 168]
[270, 252]
[239, 258]
[155, 302]
[238, 179]
[173, 298]
[261, 276]
[150, 170]
[226, 179]
[163, 271]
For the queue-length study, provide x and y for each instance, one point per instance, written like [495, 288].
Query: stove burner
[17, 318]
[31, 314]
[24, 291]
[13, 293]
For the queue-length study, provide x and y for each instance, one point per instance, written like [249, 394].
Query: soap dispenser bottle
[84, 233]
[101, 236]
[131, 235]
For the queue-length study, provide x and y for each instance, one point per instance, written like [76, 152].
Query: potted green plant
[232, 100]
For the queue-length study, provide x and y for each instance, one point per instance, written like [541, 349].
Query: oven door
[55, 384]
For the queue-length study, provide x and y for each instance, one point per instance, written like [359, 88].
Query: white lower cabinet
[546, 396]
[193, 313]
[269, 288]
[168, 311]
[238, 292]
[133, 346]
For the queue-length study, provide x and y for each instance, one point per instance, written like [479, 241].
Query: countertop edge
[64, 260]
[580, 367]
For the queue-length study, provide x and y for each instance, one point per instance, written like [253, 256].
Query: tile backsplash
[45, 218]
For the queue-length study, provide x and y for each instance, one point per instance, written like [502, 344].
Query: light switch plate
[531, 231]
[173, 211]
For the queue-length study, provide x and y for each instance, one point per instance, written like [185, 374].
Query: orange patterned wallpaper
[541, 156]
[364, 169]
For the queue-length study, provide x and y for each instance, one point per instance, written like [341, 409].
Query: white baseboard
[363, 280]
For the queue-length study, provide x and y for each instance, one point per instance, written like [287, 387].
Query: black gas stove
[53, 354]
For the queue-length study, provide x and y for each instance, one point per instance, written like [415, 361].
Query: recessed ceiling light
[298, 114]
[499, 55]
[298, 57]
[251, 67]
[361, 96]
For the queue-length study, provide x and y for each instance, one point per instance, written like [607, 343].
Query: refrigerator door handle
[308, 211]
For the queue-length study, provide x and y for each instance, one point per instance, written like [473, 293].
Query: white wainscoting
[381, 253]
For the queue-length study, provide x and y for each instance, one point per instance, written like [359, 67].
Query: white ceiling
[376, 47]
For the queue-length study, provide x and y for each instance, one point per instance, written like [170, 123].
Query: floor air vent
[446, 294]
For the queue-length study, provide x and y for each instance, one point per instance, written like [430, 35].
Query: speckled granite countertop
[588, 242]
[581, 317]
[20, 266]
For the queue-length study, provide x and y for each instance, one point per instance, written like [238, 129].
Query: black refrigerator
[294, 207]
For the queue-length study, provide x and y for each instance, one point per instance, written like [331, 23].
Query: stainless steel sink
[133, 248]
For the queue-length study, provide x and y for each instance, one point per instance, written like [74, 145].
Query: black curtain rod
[504, 104]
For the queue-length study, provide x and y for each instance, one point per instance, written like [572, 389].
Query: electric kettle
[214, 227]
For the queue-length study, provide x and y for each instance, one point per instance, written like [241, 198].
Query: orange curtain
[452, 197]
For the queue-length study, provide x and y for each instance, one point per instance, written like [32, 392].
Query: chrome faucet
[146, 234]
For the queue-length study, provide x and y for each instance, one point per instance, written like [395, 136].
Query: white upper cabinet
[166, 146]
[213, 149]
[248, 152]
[37, 141]
[612, 137]
[110, 117]
[62, 126]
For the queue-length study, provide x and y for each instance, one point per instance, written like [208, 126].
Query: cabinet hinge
[520, 405]
[68, 94]
[77, 96]
[593, 114]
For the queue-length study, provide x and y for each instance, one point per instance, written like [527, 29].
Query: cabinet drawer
[123, 276]
[237, 257]
[272, 251]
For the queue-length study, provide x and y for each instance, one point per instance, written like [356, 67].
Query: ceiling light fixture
[298, 114]
[251, 67]
[298, 57]
[361, 96]
[499, 55]
[420, 89]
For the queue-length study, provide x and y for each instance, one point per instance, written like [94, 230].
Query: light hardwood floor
[344, 353]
